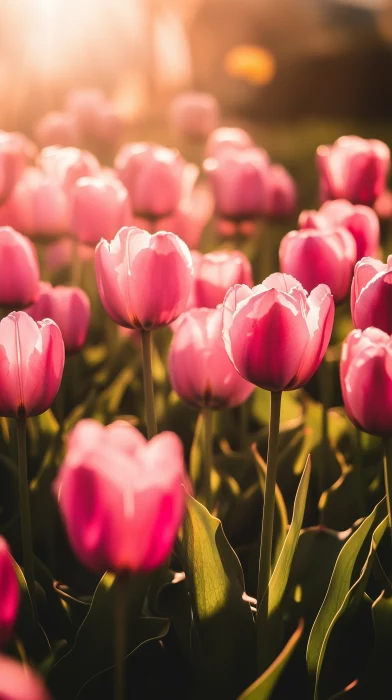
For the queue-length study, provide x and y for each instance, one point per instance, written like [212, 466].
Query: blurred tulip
[144, 281]
[67, 165]
[125, 490]
[99, 208]
[83, 104]
[366, 380]
[194, 114]
[19, 279]
[17, 211]
[31, 365]
[238, 182]
[360, 220]
[107, 125]
[281, 198]
[19, 682]
[69, 308]
[199, 368]
[9, 593]
[310, 218]
[49, 205]
[383, 205]
[371, 294]
[227, 137]
[325, 256]
[275, 334]
[60, 254]
[215, 273]
[57, 129]
[353, 168]
[191, 217]
[13, 159]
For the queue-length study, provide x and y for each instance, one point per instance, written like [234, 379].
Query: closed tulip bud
[238, 182]
[383, 205]
[67, 165]
[353, 168]
[215, 273]
[50, 211]
[199, 368]
[325, 256]
[281, 189]
[371, 294]
[227, 137]
[310, 218]
[83, 104]
[128, 491]
[17, 211]
[99, 208]
[191, 217]
[366, 380]
[144, 281]
[153, 176]
[9, 593]
[69, 308]
[13, 159]
[19, 682]
[275, 334]
[57, 129]
[31, 365]
[360, 220]
[19, 279]
[107, 125]
[194, 114]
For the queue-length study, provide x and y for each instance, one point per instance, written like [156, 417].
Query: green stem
[120, 633]
[325, 397]
[358, 472]
[148, 384]
[267, 528]
[388, 476]
[76, 264]
[208, 437]
[24, 507]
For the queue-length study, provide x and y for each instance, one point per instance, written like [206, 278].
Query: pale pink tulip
[215, 273]
[99, 208]
[19, 682]
[57, 129]
[194, 114]
[227, 137]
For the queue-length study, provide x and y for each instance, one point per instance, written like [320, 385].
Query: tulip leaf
[30, 633]
[197, 452]
[264, 686]
[377, 680]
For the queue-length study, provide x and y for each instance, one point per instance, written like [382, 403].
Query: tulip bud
[144, 281]
[215, 273]
[99, 208]
[353, 168]
[227, 137]
[281, 193]
[125, 490]
[366, 380]
[200, 371]
[275, 334]
[69, 308]
[325, 256]
[19, 682]
[57, 129]
[371, 294]
[310, 218]
[83, 104]
[13, 158]
[107, 125]
[191, 217]
[9, 593]
[194, 114]
[19, 279]
[31, 366]
[67, 165]
[361, 221]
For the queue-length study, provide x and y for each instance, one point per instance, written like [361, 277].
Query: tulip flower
[19, 682]
[325, 256]
[191, 217]
[353, 168]
[215, 273]
[13, 158]
[194, 114]
[9, 593]
[83, 104]
[19, 280]
[371, 294]
[383, 205]
[67, 165]
[69, 308]
[50, 212]
[107, 125]
[60, 254]
[281, 197]
[227, 138]
[99, 208]
[57, 129]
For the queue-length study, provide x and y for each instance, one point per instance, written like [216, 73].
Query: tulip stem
[24, 507]
[358, 469]
[76, 264]
[120, 630]
[388, 477]
[325, 397]
[267, 529]
[148, 384]
[208, 438]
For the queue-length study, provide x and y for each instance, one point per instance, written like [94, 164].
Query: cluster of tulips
[126, 496]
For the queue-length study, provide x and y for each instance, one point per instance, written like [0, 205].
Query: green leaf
[377, 680]
[264, 686]
[30, 633]
[197, 452]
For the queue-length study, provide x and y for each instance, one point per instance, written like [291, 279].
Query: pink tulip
[60, 254]
[281, 198]
[19, 682]
[199, 368]
[144, 281]
[121, 497]
[69, 308]
[238, 181]
[215, 273]
[325, 256]
[353, 168]
[99, 208]
[67, 165]
[153, 176]
[9, 593]
[371, 294]
[17, 211]
[31, 365]
[310, 218]
[57, 129]
[107, 125]
[13, 159]
[227, 137]
[275, 334]
[383, 205]
[194, 114]
[83, 104]
[361, 221]
[19, 279]
[366, 380]
[191, 217]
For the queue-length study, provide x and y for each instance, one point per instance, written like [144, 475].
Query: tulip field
[195, 412]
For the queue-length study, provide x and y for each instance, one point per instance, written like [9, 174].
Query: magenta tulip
[325, 256]
[275, 334]
[200, 371]
[69, 308]
[144, 281]
[19, 682]
[19, 279]
[194, 114]
[215, 273]
[99, 208]
[227, 137]
[9, 593]
[67, 165]
[31, 365]
[353, 168]
[281, 195]
[121, 497]
[57, 129]
[366, 380]
[371, 294]
[13, 159]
